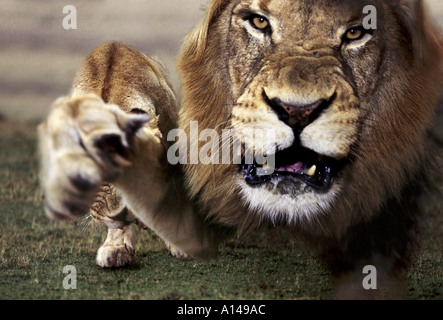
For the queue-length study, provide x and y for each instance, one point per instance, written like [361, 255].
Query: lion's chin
[285, 200]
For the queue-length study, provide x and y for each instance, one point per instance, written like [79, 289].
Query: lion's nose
[295, 115]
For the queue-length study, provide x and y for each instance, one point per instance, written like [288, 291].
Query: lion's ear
[426, 40]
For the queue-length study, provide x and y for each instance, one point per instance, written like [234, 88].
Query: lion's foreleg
[157, 198]
[110, 209]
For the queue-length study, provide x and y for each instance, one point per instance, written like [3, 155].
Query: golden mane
[207, 98]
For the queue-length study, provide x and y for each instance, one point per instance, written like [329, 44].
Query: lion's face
[307, 84]
[294, 73]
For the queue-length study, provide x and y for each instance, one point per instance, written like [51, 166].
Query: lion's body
[347, 108]
[380, 127]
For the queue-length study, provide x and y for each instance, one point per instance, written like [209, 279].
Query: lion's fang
[311, 170]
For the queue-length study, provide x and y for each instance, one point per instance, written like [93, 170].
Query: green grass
[34, 250]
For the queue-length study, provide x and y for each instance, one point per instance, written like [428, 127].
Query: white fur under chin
[284, 207]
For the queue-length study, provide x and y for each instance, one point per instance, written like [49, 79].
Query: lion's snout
[307, 101]
[296, 114]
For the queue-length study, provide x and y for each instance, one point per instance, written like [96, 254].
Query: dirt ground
[38, 57]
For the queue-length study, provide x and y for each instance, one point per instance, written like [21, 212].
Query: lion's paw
[118, 249]
[83, 142]
[177, 252]
[115, 256]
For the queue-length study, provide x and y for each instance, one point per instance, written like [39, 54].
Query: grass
[34, 250]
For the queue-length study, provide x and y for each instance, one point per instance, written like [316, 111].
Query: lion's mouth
[297, 163]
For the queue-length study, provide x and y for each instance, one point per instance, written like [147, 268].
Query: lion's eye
[353, 34]
[259, 22]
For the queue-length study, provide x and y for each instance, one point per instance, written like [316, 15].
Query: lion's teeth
[311, 170]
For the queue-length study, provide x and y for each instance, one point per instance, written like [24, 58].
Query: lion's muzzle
[311, 109]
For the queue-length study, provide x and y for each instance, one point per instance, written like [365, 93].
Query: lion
[96, 146]
[340, 111]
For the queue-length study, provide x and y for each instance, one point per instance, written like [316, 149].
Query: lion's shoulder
[121, 75]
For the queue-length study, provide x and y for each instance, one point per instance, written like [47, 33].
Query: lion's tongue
[298, 168]
[294, 168]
